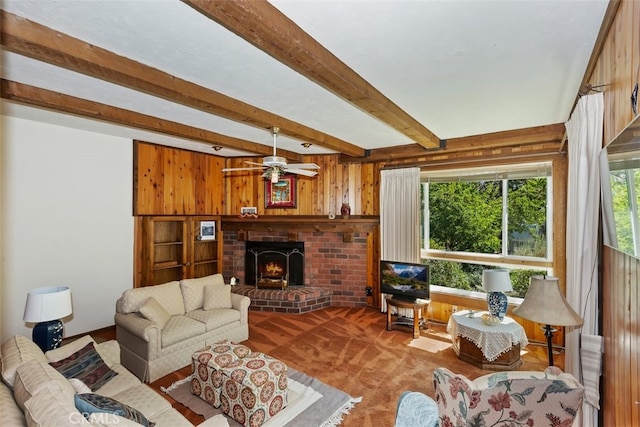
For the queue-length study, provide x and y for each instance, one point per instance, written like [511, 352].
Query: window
[476, 218]
[625, 187]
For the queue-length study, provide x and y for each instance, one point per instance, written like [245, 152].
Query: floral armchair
[511, 398]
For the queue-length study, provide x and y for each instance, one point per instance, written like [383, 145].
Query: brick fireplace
[335, 269]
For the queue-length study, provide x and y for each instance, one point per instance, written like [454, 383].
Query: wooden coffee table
[495, 347]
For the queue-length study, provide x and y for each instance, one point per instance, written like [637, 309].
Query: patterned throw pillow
[90, 403]
[87, 366]
[217, 296]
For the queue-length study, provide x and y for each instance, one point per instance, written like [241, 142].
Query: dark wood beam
[28, 38]
[43, 98]
[539, 135]
[264, 26]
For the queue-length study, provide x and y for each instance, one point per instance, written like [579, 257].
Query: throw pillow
[87, 366]
[193, 290]
[153, 311]
[217, 296]
[89, 403]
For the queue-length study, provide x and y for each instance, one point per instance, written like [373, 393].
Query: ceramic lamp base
[497, 302]
[48, 335]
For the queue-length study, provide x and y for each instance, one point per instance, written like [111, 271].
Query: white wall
[67, 220]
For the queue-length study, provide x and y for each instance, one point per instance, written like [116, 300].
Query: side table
[495, 347]
[404, 323]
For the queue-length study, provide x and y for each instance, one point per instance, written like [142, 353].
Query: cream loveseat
[159, 327]
[34, 393]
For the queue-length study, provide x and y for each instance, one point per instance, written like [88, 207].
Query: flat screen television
[404, 280]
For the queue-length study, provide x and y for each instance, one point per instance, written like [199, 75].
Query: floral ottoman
[251, 387]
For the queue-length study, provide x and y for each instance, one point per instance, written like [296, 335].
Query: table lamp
[46, 306]
[544, 303]
[495, 283]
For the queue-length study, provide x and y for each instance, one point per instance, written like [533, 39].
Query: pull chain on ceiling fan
[274, 166]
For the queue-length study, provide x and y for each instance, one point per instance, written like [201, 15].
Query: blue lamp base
[48, 335]
[497, 302]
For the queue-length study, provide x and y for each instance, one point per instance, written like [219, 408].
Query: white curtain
[400, 216]
[583, 357]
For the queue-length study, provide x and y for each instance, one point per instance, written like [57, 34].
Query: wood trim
[264, 26]
[28, 38]
[289, 223]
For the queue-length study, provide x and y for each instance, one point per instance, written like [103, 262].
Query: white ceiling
[460, 68]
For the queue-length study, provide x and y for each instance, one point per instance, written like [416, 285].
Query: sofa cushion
[87, 366]
[79, 386]
[217, 296]
[90, 403]
[34, 375]
[193, 290]
[168, 295]
[152, 310]
[15, 351]
[215, 318]
[123, 381]
[11, 413]
[145, 400]
[181, 328]
[51, 406]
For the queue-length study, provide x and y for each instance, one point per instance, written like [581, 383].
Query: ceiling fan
[274, 166]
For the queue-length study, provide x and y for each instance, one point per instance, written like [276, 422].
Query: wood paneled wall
[621, 329]
[617, 66]
[336, 183]
[170, 181]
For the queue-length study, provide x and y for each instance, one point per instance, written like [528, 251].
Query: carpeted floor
[350, 349]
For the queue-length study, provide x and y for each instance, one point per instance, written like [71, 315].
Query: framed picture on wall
[281, 194]
[207, 230]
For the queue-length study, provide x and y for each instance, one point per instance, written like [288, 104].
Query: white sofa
[34, 393]
[159, 327]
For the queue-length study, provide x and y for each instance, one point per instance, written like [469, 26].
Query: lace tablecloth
[492, 340]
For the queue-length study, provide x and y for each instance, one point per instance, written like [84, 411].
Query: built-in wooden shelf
[296, 223]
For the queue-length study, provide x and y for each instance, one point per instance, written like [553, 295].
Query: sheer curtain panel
[584, 135]
[400, 216]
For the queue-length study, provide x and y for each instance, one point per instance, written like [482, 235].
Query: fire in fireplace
[274, 264]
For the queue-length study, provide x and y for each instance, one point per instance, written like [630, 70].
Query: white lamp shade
[496, 281]
[48, 303]
[544, 303]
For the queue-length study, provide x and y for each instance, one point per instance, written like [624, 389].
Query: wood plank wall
[617, 67]
[621, 329]
[170, 181]
[336, 183]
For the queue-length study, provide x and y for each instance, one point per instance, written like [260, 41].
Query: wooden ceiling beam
[28, 38]
[264, 26]
[539, 135]
[43, 98]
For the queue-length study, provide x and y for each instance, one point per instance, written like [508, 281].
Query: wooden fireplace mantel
[297, 223]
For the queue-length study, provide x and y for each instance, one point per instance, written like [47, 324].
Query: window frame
[502, 173]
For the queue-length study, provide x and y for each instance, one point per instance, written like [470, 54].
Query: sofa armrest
[241, 303]
[138, 326]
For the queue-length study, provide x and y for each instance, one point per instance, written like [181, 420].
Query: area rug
[310, 403]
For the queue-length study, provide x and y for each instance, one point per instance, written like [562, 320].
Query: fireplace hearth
[274, 265]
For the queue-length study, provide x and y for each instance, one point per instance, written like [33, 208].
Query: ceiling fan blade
[300, 171]
[303, 166]
[253, 163]
[239, 169]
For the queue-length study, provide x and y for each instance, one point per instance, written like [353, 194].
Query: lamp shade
[544, 303]
[496, 281]
[48, 303]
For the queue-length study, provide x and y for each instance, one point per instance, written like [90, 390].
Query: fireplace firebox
[274, 264]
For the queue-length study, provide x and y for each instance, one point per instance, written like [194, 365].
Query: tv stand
[406, 323]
